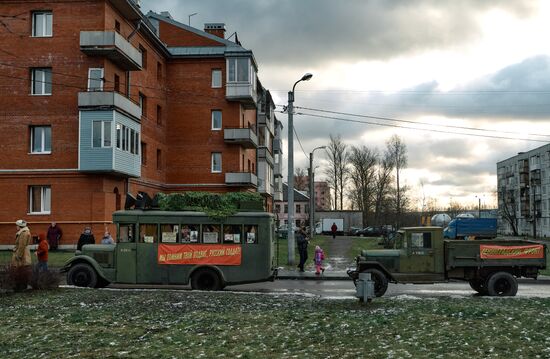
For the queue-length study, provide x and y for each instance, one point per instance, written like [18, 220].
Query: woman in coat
[21, 252]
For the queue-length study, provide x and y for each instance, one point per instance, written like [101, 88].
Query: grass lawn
[55, 259]
[89, 323]
[283, 250]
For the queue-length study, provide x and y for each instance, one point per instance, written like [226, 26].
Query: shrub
[45, 280]
[15, 278]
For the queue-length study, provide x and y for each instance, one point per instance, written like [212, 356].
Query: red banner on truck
[215, 254]
[511, 252]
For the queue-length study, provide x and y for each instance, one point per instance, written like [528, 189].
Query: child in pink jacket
[318, 258]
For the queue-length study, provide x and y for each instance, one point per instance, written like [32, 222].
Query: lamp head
[307, 77]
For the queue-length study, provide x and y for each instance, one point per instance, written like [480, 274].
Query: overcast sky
[446, 66]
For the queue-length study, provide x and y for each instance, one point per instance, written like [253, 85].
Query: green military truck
[421, 255]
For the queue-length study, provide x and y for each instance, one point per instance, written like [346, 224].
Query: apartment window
[143, 56]
[41, 81]
[159, 71]
[159, 160]
[128, 81]
[41, 139]
[216, 120]
[117, 26]
[42, 23]
[95, 79]
[216, 78]
[159, 115]
[286, 208]
[101, 134]
[40, 199]
[277, 208]
[143, 153]
[143, 104]
[298, 208]
[117, 83]
[216, 162]
[238, 69]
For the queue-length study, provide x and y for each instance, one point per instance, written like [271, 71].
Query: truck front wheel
[502, 284]
[380, 281]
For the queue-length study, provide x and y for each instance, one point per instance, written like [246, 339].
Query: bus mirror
[130, 201]
[143, 201]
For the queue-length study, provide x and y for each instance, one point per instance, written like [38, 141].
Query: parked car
[371, 231]
[353, 231]
[282, 230]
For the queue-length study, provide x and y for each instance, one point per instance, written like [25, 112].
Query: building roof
[298, 196]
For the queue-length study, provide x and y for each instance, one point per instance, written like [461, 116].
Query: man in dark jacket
[302, 242]
[333, 229]
[86, 237]
[54, 236]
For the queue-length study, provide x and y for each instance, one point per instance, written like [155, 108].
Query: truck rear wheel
[479, 285]
[380, 281]
[502, 284]
[206, 279]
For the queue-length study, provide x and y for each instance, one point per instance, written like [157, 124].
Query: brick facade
[177, 99]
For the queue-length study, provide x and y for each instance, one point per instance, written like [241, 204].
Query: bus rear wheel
[206, 279]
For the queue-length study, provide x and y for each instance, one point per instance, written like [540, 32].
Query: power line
[419, 92]
[415, 122]
[299, 142]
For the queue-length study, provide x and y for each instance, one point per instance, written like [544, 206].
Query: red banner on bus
[511, 252]
[215, 254]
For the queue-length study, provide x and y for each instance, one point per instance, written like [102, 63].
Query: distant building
[301, 208]
[524, 193]
[322, 196]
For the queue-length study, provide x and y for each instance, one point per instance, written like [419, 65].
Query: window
[40, 199]
[143, 153]
[117, 26]
[159, 160]
[286, 208]
[148, 233]
[232, 233]
[216, 162]
[216, 78]
[189, 233]
[143, 104]
[41, 139]
[277, 208]
[211, 233]
[42, 23]
[169, 233]
[298, 208]
[238, 69]
[250, 234]
[159, 115]
[216, 120]
[126, 232]
[95, 79]
[101, 134]
[421, 240]
[128, 77]
[117, 83]
[143, 56]
[159, 71]
[41, 81]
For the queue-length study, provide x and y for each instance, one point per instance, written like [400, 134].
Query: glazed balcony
[277, 145]
[245, 137]
[113, 46]
[108, 100]
[265, 155]
[277, 172]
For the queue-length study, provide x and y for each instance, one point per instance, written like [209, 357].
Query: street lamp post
[290, 193]
[312, 192]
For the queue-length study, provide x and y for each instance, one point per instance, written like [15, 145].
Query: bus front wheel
[206, 279]
[82, 275]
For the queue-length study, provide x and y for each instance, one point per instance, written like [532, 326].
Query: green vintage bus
[165, 247]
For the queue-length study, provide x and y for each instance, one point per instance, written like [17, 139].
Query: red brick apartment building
[99, 100]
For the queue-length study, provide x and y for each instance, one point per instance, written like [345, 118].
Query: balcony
[108, 100]
[241, 179]
[265, 155]
[242, 92]
[241, 136]
[277, 172]
[113, 46]
[277, 145]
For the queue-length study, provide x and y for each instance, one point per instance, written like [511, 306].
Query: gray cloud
[310, 31]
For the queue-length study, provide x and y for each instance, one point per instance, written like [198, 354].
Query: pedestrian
[318, 258]
[54, 236]
[87, 237]
[302, 242]
[42, 254]
[107, 239]
[333, 229]
[21, 252]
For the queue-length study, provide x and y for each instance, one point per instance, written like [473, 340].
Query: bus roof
[139, 212]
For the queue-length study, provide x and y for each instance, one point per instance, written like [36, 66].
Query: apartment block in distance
[100, 100]
[524, 193]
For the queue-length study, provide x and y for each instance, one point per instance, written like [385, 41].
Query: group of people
[302, 242]
[23, 239]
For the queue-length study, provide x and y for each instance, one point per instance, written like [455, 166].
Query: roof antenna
[236, 38]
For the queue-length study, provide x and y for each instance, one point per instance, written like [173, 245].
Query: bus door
[126, 253]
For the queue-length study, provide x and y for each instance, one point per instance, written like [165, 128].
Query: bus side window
[169, 233]
[126, 232]
[232, 233]
[148, 233]
[251, 234]
[210, 233]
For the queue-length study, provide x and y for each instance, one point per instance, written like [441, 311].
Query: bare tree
[397, 151]
[301, 180]
[383, 180]
[507, 208]
[362, 174]
[455, 208]
[337, 171]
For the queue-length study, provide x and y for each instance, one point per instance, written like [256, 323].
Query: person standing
[21, 252]
[302, 243]
[333, 229]
[54, 236]
[42, 254]
[318, 258]
[107, 239]
[87, 237]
